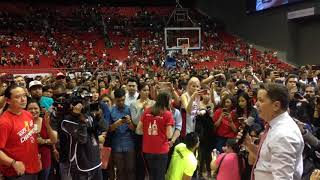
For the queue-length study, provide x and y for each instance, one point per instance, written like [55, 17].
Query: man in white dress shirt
[280, 156]
[132, 94]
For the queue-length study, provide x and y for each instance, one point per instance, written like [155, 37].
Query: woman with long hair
[225, 125]
[204, 128]
[245, 111]
[44, 141]
[156, 126]
[137, 108]
[230, 164]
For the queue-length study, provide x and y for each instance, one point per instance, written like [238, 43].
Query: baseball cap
[59, 74]
[35, 83]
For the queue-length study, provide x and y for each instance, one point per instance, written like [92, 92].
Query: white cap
[35, 83]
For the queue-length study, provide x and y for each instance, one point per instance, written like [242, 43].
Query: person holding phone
[122, 138]
[225, 127]
[230, 164]
[190, 102]
[245, 112]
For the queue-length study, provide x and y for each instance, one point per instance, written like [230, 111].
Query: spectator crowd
[131, 126]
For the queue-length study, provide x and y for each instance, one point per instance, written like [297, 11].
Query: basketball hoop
[175, 37]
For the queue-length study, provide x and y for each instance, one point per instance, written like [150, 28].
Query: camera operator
[314, 104]
[312, 147]
[92, 127]
[299, 105]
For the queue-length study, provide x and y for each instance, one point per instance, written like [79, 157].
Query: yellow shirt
[183, 161]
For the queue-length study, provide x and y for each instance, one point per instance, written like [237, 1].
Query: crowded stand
[82, 37]
[87, 93]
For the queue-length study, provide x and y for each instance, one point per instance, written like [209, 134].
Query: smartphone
[225, 110]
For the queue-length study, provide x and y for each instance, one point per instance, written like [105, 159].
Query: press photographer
[304, 106]
[312, 96]
[311, 159]
[79, 124]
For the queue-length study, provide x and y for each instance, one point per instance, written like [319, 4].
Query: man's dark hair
[291, 76]
[7, 92]
[277, 92]
[59, 86]
[46, 88]
[118, 93]
[132, 80]
[191, 140]
[268, 71]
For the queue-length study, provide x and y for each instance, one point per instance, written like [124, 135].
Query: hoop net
[184, 49]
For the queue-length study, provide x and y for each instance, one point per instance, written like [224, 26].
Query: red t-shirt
[155, 140]
[224, 130]
[18, 140]
[105, 91]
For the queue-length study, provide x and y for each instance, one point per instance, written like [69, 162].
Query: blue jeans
[157, 165]
[64, 171]
[44, 174]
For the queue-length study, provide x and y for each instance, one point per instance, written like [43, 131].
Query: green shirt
[182, 162]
